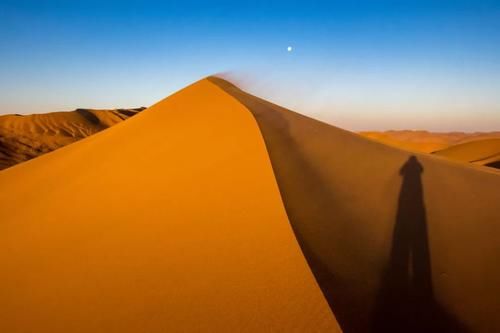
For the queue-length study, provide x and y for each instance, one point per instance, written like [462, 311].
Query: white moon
[289, 49]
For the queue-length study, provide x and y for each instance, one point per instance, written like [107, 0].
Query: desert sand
[168, 222]
[427, 142]
[25, 137]
[217, 211]
[481, 152]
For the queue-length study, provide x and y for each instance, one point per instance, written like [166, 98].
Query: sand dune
[424, 141]
[25, 137]
[170, 222]
[397, 242]
[186, 218]
[481, 152]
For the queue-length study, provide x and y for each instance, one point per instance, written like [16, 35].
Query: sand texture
[25, 137]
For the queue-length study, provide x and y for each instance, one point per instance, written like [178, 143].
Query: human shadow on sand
[406, 301]
[327, 234]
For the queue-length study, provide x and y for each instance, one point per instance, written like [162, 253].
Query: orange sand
[170, 222]
[481, 152]
[427, 142]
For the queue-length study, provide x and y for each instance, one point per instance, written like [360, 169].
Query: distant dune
[481, 152]
[427, 142]
[25, 137]
[217, 211]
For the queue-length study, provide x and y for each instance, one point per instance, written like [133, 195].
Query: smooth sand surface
[481, 152]
[169, 222]
[25, 137]
[398, 242]
[424, 141]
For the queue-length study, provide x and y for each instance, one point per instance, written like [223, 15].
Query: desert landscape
[477, 148]
[229, 213]
[25, 137]
[249, 166]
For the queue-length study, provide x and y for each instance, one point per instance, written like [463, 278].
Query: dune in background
[23, 137]
[398, 242]
[481, 152]
[424, 141]
[170, 222]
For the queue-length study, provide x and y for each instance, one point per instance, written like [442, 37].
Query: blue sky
[357, 64]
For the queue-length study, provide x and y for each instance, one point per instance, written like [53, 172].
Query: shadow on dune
[327, 235]
[494, 165]
[316, 198]
[406, 300]
[308, 201]
[89, 116]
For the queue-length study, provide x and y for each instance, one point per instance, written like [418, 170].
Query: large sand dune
[173, 221]
[398, 242]
[25, 137]
[481, 152]
[170, 222]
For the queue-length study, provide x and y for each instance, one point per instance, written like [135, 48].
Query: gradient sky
[431, 65]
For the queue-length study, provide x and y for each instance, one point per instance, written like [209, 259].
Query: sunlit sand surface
[427, 142]
[482, 152]
[169, 222]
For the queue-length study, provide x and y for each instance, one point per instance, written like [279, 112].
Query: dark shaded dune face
[406, 301]
[25, 137]
[495, 165]
[397, 243]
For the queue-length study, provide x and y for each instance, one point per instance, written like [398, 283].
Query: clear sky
[357, 64]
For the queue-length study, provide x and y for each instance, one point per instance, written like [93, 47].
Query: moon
[289, 49]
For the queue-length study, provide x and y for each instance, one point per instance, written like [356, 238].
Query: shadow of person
[406, 301]
[327, 231]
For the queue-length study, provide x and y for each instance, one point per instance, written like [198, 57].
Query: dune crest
[23, 137]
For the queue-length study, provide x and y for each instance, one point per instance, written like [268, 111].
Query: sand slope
[397, 243]
[170, 222]
[481, 152]
[424, 141]
[26, 137]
